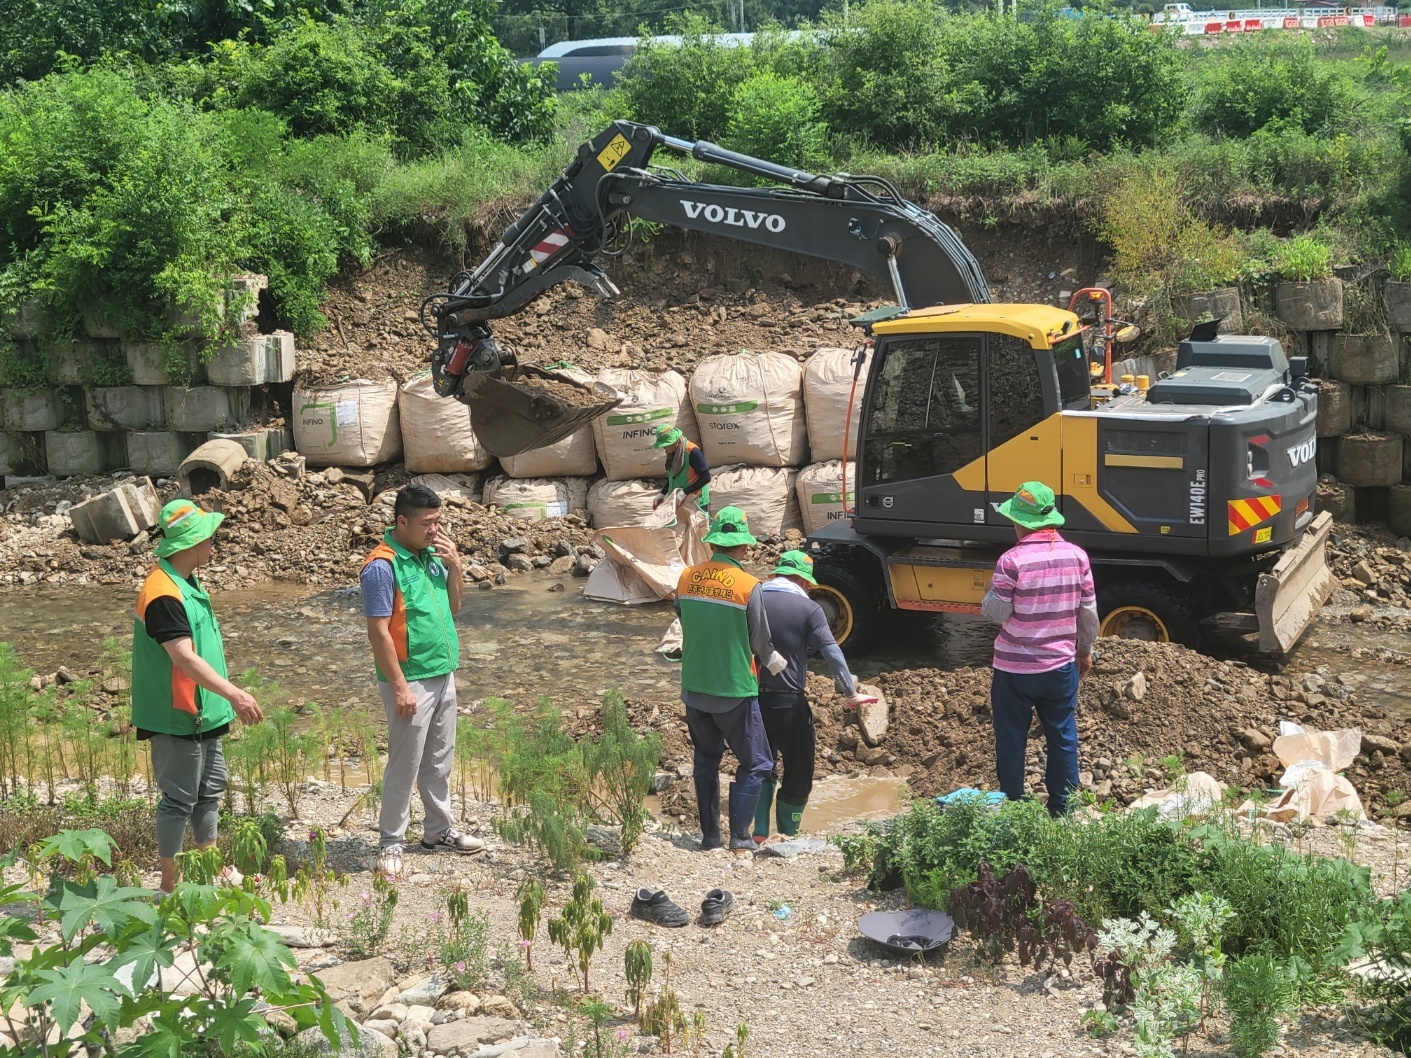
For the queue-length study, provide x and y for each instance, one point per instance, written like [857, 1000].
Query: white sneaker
[454, 841]
[389, 862]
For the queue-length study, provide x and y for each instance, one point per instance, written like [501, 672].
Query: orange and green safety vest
[683, 476]
[164, 699]
[422, 626]
[716, 658]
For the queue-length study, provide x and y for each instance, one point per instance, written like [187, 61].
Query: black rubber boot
[708, 806]
[741, 819]
[790, 817]
[761, 813]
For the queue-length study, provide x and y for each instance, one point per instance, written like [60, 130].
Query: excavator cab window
[925, 412]
[1016, 394]
[1072, 363]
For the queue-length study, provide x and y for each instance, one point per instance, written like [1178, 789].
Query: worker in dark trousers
[799, 631]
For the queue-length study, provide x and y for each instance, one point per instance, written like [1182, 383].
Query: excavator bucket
[533, 409]
[1287, 598]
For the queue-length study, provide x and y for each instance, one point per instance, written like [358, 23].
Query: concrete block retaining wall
[150, 425]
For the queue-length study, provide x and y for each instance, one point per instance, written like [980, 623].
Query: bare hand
[446, 549]
[1085, 665]
[246, 708]
[657, 502]
[404, 701]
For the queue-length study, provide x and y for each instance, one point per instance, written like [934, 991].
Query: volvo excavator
[1194, 497]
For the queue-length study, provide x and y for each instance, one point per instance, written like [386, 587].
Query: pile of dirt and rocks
[1142, 703]
[1373, 567]
[289, 525]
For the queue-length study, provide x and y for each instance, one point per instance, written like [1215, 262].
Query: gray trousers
[420, 751]
[192, 777]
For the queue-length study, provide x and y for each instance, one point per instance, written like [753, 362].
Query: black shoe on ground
[716, 907]
[653, 905]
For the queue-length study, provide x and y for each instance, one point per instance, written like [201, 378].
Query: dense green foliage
[148, 151]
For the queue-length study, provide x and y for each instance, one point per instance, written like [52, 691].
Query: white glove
[776, 663]
[861, 699]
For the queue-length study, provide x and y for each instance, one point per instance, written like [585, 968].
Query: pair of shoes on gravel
[389, 857]
[653, 905]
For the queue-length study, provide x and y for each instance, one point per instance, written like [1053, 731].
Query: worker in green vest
[182, 702]
[686, 468]
[411, 584]
[725, 642]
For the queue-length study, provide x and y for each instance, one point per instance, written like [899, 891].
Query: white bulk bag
[618, 503]
[436, 431]
[624, 435]
[820, 493]
[352, 424]
[827, 384]
[750, 409]
[765, 494]
[536, 499]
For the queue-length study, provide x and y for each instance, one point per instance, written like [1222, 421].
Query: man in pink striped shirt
[1042, 596]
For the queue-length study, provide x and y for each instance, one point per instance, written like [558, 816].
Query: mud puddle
[836, 800]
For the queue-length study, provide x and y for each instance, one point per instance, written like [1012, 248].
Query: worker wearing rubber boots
[725, 642]
[799, 630]
[686, 468]
[1042, 596]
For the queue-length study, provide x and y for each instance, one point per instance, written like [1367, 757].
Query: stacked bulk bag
[827, 386]
[574, 456]
[618, 503]
[624, 435]
[536, 499]
[436, 431]
[765, 494]
[820, 493]
[352, 424]
[750, 409]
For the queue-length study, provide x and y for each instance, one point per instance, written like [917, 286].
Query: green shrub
[1259, 83]
[1304, 258]
[1292, 908]
[777, 118]
[685, 90]
[1382, 936]
[621, 765]
[1400, 264]
[1256, 990]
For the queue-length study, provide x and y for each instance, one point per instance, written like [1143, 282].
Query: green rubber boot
[761, 812]
[790, 816]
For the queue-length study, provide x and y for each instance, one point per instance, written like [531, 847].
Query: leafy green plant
[637, 964]
[544, 784]
[530, 895]
[737, 1049]
[1304, 258]
[54, 984]
[315, 884]
[1165, 995]
[1257, 990]
[662, 1016]
[463, 950]
[621, 766]
[1400, 264]
[363, 931]
[582, 927]
[1202, 920]
[1382, 936]
[778, 118]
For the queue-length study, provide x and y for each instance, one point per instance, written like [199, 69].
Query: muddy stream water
[525, 642]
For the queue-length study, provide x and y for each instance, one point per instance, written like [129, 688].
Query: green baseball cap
[183, 525]
[1032, 506]
[666, 437]
[795, 564]
[729, 528]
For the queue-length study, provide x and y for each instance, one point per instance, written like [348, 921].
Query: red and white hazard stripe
[550, 245]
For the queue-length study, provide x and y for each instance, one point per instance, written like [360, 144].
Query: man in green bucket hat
[1042, 596]
[182, 701]
[686, 467]
[725, 642]
[799, 630]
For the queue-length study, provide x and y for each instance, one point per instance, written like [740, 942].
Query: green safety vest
[681, 476]
[164, 699]
[422, 626]
[716, 658]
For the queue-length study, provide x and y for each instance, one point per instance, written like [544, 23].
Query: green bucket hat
[666, 437]
[1032, 506]
[795, 564]
[183, 525]
[729, 528]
